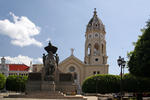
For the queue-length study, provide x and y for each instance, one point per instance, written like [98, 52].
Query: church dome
[95, 23]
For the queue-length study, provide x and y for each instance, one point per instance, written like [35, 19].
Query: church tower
[95, 44]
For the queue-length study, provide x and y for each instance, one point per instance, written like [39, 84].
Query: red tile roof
[18, 67]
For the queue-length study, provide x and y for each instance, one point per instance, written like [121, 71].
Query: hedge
[2, 81]
[101, 84]
[16, 83]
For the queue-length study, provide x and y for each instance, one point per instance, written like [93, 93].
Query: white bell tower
[95, 44]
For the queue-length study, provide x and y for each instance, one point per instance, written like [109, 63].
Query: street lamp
[121, 62]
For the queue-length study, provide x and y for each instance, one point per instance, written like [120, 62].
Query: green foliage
[135, 84]
[111, 84]
[16, 83]
[101, 84]
[2, 81]
[139, 62]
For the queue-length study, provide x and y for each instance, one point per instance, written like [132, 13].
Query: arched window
[96, 49]
[89, 49]
[102, 48]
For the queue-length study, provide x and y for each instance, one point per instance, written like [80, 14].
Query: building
[13, 69]
[37, 67]
[95, 60]
[4, 69]
[18, 69]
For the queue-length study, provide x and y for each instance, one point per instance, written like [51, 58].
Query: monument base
[48, 86]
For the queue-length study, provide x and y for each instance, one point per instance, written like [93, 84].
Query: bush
[16, 83]
[101, 84]
[2, 81]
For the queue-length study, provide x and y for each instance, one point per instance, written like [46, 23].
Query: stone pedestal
[48, 86]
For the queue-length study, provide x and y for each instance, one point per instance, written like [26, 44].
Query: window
[96, 59]
[94, 72]
[72, 69]
[90, 36]
[89, 49]
[96, 49]
[102, 48]
[96, 35]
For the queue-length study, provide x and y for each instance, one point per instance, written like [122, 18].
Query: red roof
[18, 67]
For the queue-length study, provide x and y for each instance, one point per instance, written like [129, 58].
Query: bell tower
[95, 43]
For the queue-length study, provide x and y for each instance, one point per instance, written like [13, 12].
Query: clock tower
[95, 43]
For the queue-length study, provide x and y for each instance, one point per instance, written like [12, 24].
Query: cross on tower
[72, 50]
[95, 11]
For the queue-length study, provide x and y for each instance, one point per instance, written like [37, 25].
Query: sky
[26, 26]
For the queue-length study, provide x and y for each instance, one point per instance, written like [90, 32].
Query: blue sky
[64, 23]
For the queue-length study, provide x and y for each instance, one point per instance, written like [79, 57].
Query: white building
[4, 69]
[13, 69]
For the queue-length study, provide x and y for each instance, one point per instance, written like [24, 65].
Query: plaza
[74, 50]
[6, 94]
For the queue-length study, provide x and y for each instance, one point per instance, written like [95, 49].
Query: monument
[50, 63]
[50, 82]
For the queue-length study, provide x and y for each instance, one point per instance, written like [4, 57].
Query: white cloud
[22, 60]
[21, 31]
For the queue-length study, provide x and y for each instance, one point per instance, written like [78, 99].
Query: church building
[95, 60]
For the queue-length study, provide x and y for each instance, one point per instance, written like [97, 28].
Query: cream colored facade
[95, 60]
[37, 67]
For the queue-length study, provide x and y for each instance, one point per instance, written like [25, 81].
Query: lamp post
[121, 62]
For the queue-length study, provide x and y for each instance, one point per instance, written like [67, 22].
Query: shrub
[101, 84]
[2, 81]
[16, 83]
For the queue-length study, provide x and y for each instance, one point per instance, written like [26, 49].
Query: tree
[16, 83]
[139, 61]
[101, 84]
[2, 81]
[135, 84]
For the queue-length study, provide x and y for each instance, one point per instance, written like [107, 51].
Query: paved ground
[6, 94]
[89, 98]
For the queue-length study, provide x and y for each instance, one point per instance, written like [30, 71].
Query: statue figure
[57, 59]
[44, 58]
[50, 61]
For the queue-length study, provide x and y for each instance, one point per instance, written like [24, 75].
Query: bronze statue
[44, 58]
[50, 61]
[57, 59]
